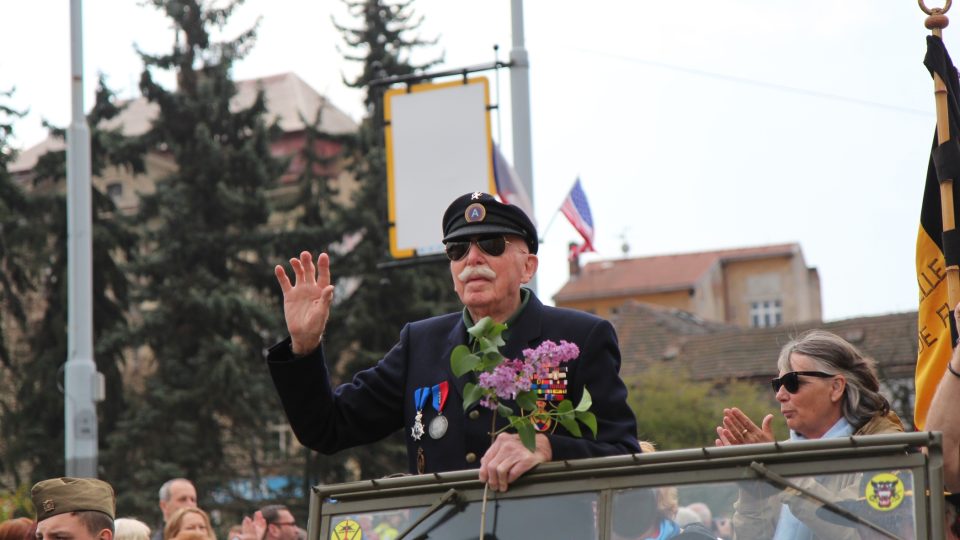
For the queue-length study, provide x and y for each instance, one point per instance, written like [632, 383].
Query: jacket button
[471, 457]
[474, 414]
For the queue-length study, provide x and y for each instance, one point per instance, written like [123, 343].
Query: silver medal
[438, 426]
[417, 430]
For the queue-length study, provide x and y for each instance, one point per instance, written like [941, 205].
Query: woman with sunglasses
[826, 389]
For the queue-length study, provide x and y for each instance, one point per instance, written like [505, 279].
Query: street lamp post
[82, 383]
[520, 106]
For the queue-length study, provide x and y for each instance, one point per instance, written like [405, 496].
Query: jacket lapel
[457, 336]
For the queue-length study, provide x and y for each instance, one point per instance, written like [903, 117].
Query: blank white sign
[438, 148]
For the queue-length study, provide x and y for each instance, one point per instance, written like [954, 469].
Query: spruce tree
[18, 241]
[203, 270]
[14, 240]
[308, 209]
[38, 407]
[367, 323]
[37, 410]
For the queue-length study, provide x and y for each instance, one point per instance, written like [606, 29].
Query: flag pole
[543, 234]
[936, 21]
[556, 212]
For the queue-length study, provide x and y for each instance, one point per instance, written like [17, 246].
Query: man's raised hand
[306, 302]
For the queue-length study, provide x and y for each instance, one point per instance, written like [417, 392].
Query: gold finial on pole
[936, 17]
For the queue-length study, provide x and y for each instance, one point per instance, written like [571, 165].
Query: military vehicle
[880, 486]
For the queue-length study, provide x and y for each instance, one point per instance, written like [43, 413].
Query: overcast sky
[695, 125]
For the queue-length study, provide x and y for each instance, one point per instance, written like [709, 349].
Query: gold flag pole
[936, 21]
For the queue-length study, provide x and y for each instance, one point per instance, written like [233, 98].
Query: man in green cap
[75, 508]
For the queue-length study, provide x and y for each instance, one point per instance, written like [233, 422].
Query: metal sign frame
[439, 146]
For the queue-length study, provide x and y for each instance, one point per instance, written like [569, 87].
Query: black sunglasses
[791, 381]
[491, 245]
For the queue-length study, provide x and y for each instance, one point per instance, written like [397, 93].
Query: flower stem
[486, 486]
[483, 511]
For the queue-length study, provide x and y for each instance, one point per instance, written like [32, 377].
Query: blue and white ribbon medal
[420, 396]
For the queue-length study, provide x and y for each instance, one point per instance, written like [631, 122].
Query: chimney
[573, 257]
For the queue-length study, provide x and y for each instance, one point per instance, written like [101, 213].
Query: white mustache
[483, 271]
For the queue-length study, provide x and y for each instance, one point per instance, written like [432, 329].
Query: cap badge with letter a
[474, 213]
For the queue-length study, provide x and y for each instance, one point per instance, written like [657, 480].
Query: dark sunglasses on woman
[791, 381]
[491, 245]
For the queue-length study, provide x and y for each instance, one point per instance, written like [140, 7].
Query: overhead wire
[760, 84]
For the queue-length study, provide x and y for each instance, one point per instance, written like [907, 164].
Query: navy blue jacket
[380, 400]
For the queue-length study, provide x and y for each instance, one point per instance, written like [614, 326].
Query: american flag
[577, 210]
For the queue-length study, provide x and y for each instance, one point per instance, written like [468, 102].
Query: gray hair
[131, 529]
[832, 354]
[165, 488]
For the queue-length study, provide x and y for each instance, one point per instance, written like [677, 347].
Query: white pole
[81, 380]
[520, 107]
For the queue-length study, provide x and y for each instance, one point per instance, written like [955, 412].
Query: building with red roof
[759, 287]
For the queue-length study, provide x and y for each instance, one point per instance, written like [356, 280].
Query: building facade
[708, 351]
[290, 103]
[756, 287]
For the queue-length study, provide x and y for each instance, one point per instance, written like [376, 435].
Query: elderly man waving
[492, 249]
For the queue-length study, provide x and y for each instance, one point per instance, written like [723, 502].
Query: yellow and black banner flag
[937, 249]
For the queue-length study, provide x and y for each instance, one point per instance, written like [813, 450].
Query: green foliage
[485, 357]
[311, 207]
[366, 320]
[32, 426]
[17, 238]
[383, 41]
[673, 411]
[108, 147]
[18, 258]
[38, 410]
[204, 274]
[16, 503]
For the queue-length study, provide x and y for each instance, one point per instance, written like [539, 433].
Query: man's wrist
[950, 368]
[299, 351]
[543, 446]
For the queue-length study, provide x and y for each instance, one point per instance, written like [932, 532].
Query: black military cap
[63, 495]
[477, 214]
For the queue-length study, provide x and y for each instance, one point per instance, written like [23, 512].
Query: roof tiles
[288, 98]
[715, 352]
[659, 273]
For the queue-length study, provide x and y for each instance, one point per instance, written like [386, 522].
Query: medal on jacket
[553, 387]
[420, 396]
[438, 426]
[541, 418]
[550, 390]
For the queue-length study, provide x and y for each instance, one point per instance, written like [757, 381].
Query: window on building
[765, 314]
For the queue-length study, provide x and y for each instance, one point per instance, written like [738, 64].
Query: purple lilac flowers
[514, 376]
